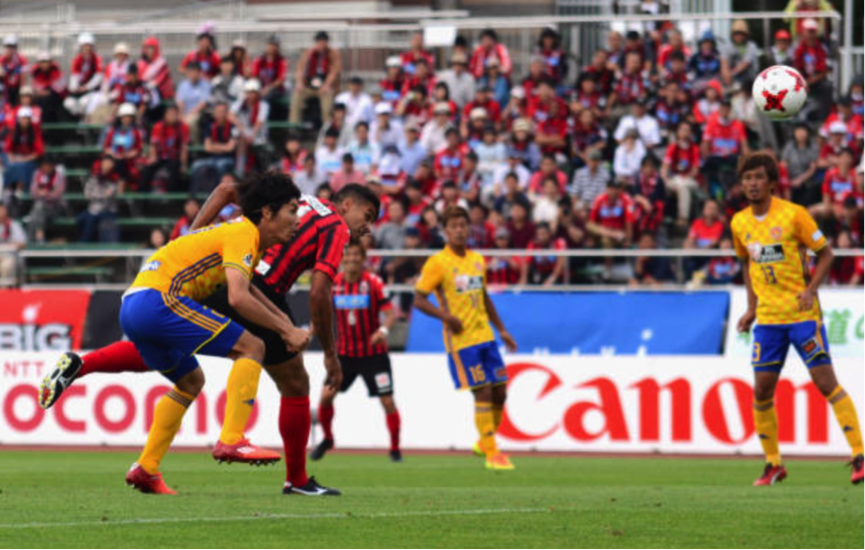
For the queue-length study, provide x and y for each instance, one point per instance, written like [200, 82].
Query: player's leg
[394, 425]
[295, 422]
[114, 358]
[769, 352]
[496, 373]
[500, 396]
[810, 341]
[378, 377]
[326, 411]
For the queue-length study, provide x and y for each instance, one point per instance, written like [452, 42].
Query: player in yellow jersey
[457, 276]
[162, 315]
[772, 237]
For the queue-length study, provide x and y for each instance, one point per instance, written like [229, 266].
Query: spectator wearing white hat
[26, 99]
[460, 82]
[394, 80]
[432, 136]
[23, 147]
[385, 129]
[13, 69]
[833, 147]
[251, 114]
[48, 83]
[99, 111]
[85, 77]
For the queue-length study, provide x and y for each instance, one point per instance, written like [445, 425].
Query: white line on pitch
[258, 517]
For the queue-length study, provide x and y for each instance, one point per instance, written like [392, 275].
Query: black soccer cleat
[321, 449]
[395, 456]
[311, 489]
[55, 383]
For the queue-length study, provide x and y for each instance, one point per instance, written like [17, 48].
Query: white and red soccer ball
[780, 92]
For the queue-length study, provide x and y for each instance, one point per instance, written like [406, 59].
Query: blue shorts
[169, 330]
[477, 366]
[771, 343]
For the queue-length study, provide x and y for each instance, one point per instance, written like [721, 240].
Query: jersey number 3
[769, 273]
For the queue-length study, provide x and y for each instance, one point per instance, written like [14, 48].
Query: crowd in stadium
[637, 149]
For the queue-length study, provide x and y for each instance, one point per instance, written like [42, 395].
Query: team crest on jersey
[776, 233]
[247, 260]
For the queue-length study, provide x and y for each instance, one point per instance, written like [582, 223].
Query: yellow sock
[486, 427]
[766, 425]
[498, 411]
[845, 412]
[166, 421]
[240, 394]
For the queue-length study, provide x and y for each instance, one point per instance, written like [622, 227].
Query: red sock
[325, 418]
[393, 422]
[294, 424]
[118, 357]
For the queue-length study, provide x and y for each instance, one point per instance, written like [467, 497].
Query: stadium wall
[556, 403]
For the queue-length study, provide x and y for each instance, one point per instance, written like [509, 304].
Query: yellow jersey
[776, 246]
[194, 265]
[459, 282]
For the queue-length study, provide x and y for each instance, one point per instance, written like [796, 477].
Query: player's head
[456, 226]
[353, 258]
[358, 206]
[758, 173]
[269, 200]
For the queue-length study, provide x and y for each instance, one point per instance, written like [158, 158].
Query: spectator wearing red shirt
[845, 269]
[725, 270]
[548, 168]
[481, 231]
[549, 49]
[423, 77]
[205, 53]
[854, 124]
[271, 70]
[488, 48]
[649, 195]
[588, 96]
[124, 142]
[183, 225]
[540, 268]
[483, 100]
[552, 134]
[503, 270]
[415, 53]
[169, 152]
[154, 70]
[449, 161]
[394, 80]
[14, 67]
[724, 141]
[836, 143]
[23, 147]
[705, 233]
[317, 76]
[85, 77]
[220, 148]
[630, 87]
[541, 105]
[47, 81]
[681, 169]
[839, 182]
[416, 201]
[131, 91]
[810, 59]
[519, 224]
[611, 218]
[10, 112]
[675, 43]
[602, 72]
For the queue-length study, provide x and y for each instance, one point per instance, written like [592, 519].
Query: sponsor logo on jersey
[152, 265]
[770, 254]
[247, 260]
[351, 301]
[262, 268]
[467, 283]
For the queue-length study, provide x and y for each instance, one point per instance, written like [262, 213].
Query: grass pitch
[77, 499]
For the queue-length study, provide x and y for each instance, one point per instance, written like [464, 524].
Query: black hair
[449, 184]
[271, 189]
[446, 88]
[677, 55]
[347, 157]
[544, 225]
[321, 35]
[472, 155]
[332, 133]
[490, 33]
[339, 107]
[359, 193]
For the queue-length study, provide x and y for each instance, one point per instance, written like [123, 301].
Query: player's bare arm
[422, 303]
[493, 314]
[241, 299]
[321, 311]
[387, 323]
[275, 310]
[224, 194]
[825, 256]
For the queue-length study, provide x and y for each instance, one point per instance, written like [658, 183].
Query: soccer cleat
[771, 475]
[55, 383]
[478, 449]
[395, 456]
[245, 452]
[856, 464]
[153, 484]
[311, 489]
[321, 449]
[499, 461]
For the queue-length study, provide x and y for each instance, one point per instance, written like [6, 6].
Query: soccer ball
[780, 92]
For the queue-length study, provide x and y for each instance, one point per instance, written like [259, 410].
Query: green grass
[58, 499]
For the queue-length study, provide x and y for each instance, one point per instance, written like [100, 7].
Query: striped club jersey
[194, 265]
[776, 246]
[358, 306]
[459, 282]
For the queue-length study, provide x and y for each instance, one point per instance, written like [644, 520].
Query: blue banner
[636, 323]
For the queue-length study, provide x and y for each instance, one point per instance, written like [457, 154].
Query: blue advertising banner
[636, 323]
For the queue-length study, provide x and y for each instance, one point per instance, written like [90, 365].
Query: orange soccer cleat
[244, 451]
[138, 478]
[771, 475]
[856, 464]
[499, 461]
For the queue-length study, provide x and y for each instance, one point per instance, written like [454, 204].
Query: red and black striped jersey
[358, 307]
[318, 244]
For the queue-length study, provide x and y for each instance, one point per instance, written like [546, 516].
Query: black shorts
[275, 351]
[375, 371]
